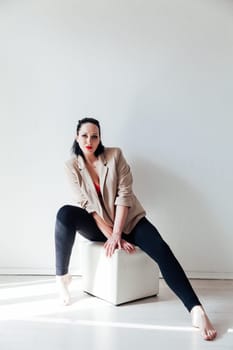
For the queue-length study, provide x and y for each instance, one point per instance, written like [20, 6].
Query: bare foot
[201, 320]
[62, 284]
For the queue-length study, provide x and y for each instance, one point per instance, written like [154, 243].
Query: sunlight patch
[112, 324]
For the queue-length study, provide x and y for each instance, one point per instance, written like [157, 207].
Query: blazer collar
[82, 164]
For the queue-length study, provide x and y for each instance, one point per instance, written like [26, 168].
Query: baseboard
[210, 275]
[78, 272]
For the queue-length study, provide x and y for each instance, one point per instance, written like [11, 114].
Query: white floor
[31, 318]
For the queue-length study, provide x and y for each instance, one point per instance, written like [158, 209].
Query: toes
[210, 334]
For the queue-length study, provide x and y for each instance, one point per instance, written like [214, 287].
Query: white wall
[159, 76]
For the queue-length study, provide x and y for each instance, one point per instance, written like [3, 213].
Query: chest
[94, 174]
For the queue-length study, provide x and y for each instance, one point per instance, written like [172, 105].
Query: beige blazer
[115, 186]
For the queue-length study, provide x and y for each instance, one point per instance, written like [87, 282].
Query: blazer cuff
[125, 202]
[90, 209]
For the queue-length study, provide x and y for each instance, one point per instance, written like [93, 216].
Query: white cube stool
[122, 278]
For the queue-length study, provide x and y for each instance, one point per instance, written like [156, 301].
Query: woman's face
[88, 138]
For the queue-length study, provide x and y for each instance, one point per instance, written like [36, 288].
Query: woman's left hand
[128, 247]
[115, 242]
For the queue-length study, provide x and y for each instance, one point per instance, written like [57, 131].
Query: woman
[108, 211]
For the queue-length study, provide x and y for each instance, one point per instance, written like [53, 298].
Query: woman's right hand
[128, 247]
[112, 243]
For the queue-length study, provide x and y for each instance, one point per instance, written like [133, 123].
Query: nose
[89, 140]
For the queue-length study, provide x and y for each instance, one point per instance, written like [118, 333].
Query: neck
[91, 159]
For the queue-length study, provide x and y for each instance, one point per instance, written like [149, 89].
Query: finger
[113, 249]
[127, 245]
[110, 252]
[132, 251]
[106, 243]
[130, 248]
[126, 249]
[107, 249]
[110, 249]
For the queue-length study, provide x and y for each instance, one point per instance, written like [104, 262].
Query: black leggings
[144, 235]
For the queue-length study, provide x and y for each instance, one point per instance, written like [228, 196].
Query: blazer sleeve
[79, 198]
[124, 183]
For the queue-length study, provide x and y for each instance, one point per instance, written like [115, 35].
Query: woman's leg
[69, 220]
[146, 236]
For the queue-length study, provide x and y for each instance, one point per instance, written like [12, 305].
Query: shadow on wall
[182, 216]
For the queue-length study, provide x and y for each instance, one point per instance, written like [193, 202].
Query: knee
[64, 214]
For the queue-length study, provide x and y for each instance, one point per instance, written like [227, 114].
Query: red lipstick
[89, 147]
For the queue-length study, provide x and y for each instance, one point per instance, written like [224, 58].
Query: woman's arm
[116, 230]
[123, 202]
[125, 181]
[113, 235]
[120, 218]
[104, 228]
[115, 241]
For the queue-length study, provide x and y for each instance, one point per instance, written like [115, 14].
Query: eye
[94, 137]
[84, 135]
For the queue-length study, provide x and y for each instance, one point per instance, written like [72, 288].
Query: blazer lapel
[86, 177]
[103, 170]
